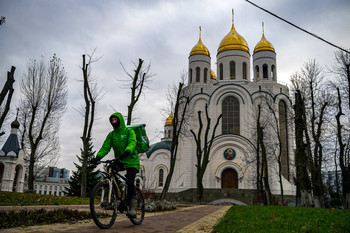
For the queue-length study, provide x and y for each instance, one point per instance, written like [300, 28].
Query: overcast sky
[160, 32]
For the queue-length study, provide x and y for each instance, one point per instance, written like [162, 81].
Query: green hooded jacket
[122, 140]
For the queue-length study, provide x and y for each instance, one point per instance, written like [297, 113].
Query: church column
[8, 178]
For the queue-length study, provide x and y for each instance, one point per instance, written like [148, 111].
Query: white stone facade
[250, 88]
[51, 186]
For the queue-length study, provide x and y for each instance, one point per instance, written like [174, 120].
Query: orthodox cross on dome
[263, 27]
[200, 36]
[233, 13]
[17, 113]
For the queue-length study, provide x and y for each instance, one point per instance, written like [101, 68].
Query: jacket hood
[120, 117]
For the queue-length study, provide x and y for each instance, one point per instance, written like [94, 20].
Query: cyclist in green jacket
[123, 141]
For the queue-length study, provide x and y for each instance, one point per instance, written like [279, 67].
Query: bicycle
[110, 196]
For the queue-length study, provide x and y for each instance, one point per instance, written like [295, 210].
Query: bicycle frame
[113, 200]
[111, 177]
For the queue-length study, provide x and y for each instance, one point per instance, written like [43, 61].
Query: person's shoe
[132, 208]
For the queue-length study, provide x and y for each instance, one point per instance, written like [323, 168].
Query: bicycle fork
[109, 193]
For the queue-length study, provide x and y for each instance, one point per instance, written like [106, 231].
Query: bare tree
[7, 91]
[91, 96]
[344, 156]
[342, 86]
[181, 109]
[139, 81]
[301, 159]
[341, 68]
[265, 168]
[203, 149]
[279, 146]
[2, 20]
[310, 82]
[44, 98]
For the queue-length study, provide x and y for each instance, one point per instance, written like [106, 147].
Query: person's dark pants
[130, 181]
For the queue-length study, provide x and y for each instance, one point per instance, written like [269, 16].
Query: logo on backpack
[141, 136]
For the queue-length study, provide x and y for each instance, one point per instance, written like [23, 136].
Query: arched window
[265, 71]
[244, 70]
[190, 74]
[205, 75]
[273, 72]
[282, 108]
[169, 134]
[230, 115]
[198, 74]
[221, 67]
[257, 71]
[232, 70]
[161, 178]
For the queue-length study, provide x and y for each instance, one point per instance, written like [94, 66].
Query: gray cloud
[160, 32]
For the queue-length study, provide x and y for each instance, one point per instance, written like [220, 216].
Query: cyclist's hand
[95, 160]
[115, 162]
[117, 165]
[126, 154]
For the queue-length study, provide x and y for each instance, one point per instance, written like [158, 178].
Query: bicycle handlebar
[108, 161]
[117, 167]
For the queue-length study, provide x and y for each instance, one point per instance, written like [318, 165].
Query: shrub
[22, 199]
[156, 205]
[13, 218]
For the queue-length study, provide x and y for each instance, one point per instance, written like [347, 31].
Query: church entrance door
[229, 179]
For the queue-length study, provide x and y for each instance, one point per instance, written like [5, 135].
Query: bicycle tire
[102, 212]
[140, 208]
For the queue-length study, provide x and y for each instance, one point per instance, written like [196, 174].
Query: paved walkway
[200, 218]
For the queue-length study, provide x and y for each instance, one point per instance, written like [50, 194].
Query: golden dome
[233, 40]
[212, 75]
[264, 45]
[199, 48]
[170, 119]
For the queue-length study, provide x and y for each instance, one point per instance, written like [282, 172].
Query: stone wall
[244, 195]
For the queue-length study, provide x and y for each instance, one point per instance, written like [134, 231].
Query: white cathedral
[235, 94]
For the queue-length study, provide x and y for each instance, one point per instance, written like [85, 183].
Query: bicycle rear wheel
[140, 208]
[103, 212]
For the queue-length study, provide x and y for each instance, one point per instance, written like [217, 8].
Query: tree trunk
[302, 178]
[346, 189]
[7, 90]
[200, 189]
[343, 162]
[264, 160]
[203, 153]
[178, 124]
[89, 115]
[31, 177]
[135, 87]
[258, 187]
[169, 176]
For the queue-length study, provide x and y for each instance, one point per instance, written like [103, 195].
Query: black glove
[117, 165]
[126, 154]
[95, 160]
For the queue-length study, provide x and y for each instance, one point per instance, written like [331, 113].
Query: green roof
[160, 145]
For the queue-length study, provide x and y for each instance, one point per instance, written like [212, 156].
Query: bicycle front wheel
[140, 212]
[103, 211]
